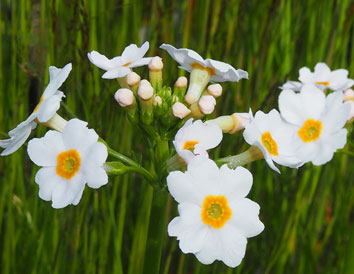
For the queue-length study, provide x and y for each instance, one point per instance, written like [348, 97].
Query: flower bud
[124, 97]
[181, 82]
[133, 80]
[207, 104]
[155, 72]
[215, 90]
[180, 88]
[157, 100]
[156, 63]
[145, 90]
[179, 110]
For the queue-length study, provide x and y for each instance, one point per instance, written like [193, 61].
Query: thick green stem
[250, 155]
[157, 231]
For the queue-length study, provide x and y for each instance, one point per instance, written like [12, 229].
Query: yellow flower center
[68, 163]
[190, 145]
[269, 143]
[127, 64]
[216, 211]
[311, 130]
[199, 66]
[39, 103]
[325, 83]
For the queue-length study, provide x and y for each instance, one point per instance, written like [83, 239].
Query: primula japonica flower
[202, 70]
[274, 138]
[215, 219]
[318, 120]
[195, 138]
[47, 107]
[322, 77]
[120, 66]
[69, 160]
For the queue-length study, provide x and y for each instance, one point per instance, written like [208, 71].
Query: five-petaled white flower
[318, 120]
[274, 138]
[195, 138]
[68, 160]
[120, 66]
[215, 219]
[322, 77]
[202, 70]
[46, 109]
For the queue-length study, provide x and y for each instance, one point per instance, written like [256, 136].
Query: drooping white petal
[57, 81]
[49, 107]
[102, 61]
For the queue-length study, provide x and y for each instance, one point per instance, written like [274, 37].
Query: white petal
[321, 69]
[140, 62]
[102, 61]
[49, 107]
[44, 151]
[95, 175]
[313, 101]
[245, 217]
[292, 85]
[324, 154]
[305, 75]
[205, 173]
[77, 136]
[290, 107]
[47, 180]
[57, 81]
[116, 73]
[336, 113]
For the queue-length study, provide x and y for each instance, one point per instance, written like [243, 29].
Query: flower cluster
[215, 217]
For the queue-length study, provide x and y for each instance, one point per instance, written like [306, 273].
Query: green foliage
[308, 213]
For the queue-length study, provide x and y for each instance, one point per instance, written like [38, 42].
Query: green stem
[157, 231]
[250, 155]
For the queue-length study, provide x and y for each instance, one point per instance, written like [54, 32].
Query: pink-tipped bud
[207, 104]
[240, 121]
[179, 110]
[133, 79]
[145, 90]
[181, 82]
[124, 97]
[215, 90]
[157, 100]
[156, 63]
[348, 95]
[189, 98]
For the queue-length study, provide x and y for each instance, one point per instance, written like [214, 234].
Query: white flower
[274, 138]
[322, 77]
[68, 160]
[318, 120]
[202, 70]
[215, 219]
[47, 107]
[120, 66]
[195, 138]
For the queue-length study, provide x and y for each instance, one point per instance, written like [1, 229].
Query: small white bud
[189, 98]
[145, 90]
[156, 63]
[215, 90]
[157, 100]
[207, 104]
[133, 78]
[181, 82]
[179, 110]
[124, 97]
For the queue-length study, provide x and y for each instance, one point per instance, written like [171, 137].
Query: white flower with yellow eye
[69, 160]
[46, 109]
[322, 77]
[120, 66]
[202, 70]
[319, 122]
[274, 138]
[215, 219]
[195, 138]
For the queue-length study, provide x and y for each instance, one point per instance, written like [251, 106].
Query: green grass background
[308, 213]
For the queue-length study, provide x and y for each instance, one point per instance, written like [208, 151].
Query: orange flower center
[199, 66]
[325, 83]
[311, 130]
[216, 211]
[127, 64]
[190, 145]
[269, 143]
[68, 163]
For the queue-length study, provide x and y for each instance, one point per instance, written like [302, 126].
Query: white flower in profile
[322, 77]
[319, 121]
[215, 219]
[69, 160]
[202, 70]
[274, 138]
[44, 112]
[195, 138]
[120, 66]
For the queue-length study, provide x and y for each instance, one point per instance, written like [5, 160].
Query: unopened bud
[145, 90]
[157, 100]
[207, 104]
[179, 110]
[156, 63]
[124, 97]
[133, 79]
[144, 82]
[181, 82]
[215, 90]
